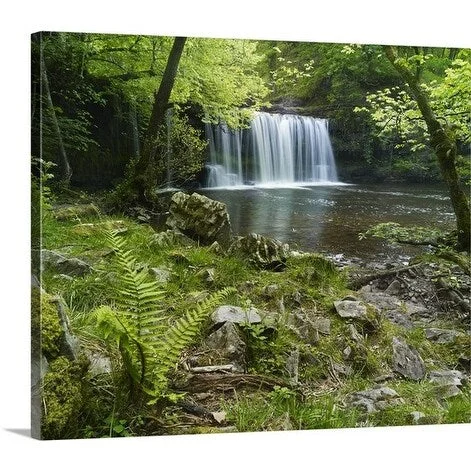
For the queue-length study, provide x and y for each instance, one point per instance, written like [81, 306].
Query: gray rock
[292, 366]
[321, 324]
[375, 399]
[398, 318]
[162, 275]
[394, 288]
[383, 378]
[390, 306]
[407, 361]
[200, 218]
[262, 251]
[448, 382]
[226, 346]
[63, 265]
[354, 334]
[270, 291]
[418, 418]
[342, 369]
[70, 346]
[441, 335]
[347, 351]
[350, 309]
[236, 315]
[99, 364]
[307, 328]
[169, 238]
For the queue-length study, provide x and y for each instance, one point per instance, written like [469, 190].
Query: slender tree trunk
[444, 144]
[65, 169]
[157, 119]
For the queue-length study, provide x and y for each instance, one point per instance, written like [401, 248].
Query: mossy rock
[46, 331]
[62, 399]
[76, 211]
[89, 228]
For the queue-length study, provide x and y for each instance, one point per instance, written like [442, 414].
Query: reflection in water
[330, 218]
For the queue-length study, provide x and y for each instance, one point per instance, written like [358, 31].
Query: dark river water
[329, 218]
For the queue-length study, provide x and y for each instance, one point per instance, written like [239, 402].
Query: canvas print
[235, 235]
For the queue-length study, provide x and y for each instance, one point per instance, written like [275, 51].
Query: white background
[397, 22]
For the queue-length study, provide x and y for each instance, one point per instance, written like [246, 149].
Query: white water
[277, 150]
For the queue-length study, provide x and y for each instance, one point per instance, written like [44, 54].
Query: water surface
[330, 218]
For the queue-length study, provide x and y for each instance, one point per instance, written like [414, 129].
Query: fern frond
[149, 347]
[169, 349]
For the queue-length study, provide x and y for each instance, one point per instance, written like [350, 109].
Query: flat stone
[398, 318]
[64, 265]
[236, 315]
[162, 275]
[321, 324]
[441, 335]
[226, 345]
[407, 361]
[448, 382]
[375, 399]
[350, 309]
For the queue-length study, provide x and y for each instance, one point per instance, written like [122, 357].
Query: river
[329, 218]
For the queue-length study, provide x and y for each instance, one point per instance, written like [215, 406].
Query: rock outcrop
[264, 252]
[200, 218]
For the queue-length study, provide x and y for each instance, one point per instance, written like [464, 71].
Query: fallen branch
[227, 382]
[212, 368]
[360, 281]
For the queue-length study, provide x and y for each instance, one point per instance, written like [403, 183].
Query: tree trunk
[157, 119]
[65, 170]
[444, 144]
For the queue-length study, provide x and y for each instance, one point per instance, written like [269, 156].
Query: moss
[46, 330]
[76, 212]
[62, 399]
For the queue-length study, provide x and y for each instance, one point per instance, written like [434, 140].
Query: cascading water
[277, 149]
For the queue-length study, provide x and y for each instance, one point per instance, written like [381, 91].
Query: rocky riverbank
[302, 342]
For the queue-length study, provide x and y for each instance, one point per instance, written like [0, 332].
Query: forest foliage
[93, 96]
[109, 81]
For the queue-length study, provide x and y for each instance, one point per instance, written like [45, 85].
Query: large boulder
[262, 251]
[200, 218]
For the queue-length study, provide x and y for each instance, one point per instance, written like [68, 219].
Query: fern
[149, 348]
[179, 337]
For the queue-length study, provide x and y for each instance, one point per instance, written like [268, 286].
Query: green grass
[312, 279]
[282, 409]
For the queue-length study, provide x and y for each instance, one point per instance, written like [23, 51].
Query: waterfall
[277, 149]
